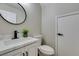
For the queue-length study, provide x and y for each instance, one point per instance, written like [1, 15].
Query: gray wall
[49, 11]
[33, 21]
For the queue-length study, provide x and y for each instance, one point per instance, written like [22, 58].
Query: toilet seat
[46, 50]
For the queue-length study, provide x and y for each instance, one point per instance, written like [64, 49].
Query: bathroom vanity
[20, 47]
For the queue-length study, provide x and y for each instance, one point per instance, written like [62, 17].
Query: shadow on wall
[43, 41]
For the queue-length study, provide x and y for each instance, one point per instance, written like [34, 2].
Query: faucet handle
[16, 31]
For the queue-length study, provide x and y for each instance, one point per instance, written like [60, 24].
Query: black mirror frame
[17, 23]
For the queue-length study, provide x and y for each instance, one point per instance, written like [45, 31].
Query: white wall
[33, 21]
[49, 11]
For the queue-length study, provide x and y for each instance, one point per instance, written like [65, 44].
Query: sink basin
[15, 41]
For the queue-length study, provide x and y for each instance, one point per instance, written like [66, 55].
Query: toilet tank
[38, 37]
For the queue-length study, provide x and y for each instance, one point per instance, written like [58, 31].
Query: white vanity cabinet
[26, 50]
[29, 50]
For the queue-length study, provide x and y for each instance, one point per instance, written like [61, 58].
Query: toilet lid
[46, 49]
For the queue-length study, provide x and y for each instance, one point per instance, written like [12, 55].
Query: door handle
[59, 34]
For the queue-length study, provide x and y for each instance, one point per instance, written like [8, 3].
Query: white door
[68, 35]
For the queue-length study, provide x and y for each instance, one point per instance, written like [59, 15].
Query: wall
[49, 12]
[33, 21]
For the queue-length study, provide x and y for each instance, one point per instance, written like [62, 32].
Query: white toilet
[44, 50]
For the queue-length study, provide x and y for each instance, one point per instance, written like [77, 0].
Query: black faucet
[15, 34]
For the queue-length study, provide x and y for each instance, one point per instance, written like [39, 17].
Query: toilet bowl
[44, 50]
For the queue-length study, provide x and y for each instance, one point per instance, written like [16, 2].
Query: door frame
[56, 27]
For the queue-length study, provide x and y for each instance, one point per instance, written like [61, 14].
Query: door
[68, 35]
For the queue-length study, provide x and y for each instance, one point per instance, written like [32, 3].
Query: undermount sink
[16, 41]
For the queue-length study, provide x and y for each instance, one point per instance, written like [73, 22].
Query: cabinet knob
[26, 53]
[23, 54]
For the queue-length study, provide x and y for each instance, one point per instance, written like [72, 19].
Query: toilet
[44, 50]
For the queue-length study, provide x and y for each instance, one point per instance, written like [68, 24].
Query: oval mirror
[13, 13]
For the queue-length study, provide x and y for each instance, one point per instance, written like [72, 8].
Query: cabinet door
[33, 49]
[18, 52]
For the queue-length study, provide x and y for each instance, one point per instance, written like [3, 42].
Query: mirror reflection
[13, 13]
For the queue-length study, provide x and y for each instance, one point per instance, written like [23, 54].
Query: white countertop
[9, 45]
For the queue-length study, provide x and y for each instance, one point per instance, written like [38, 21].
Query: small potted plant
[25, 32]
